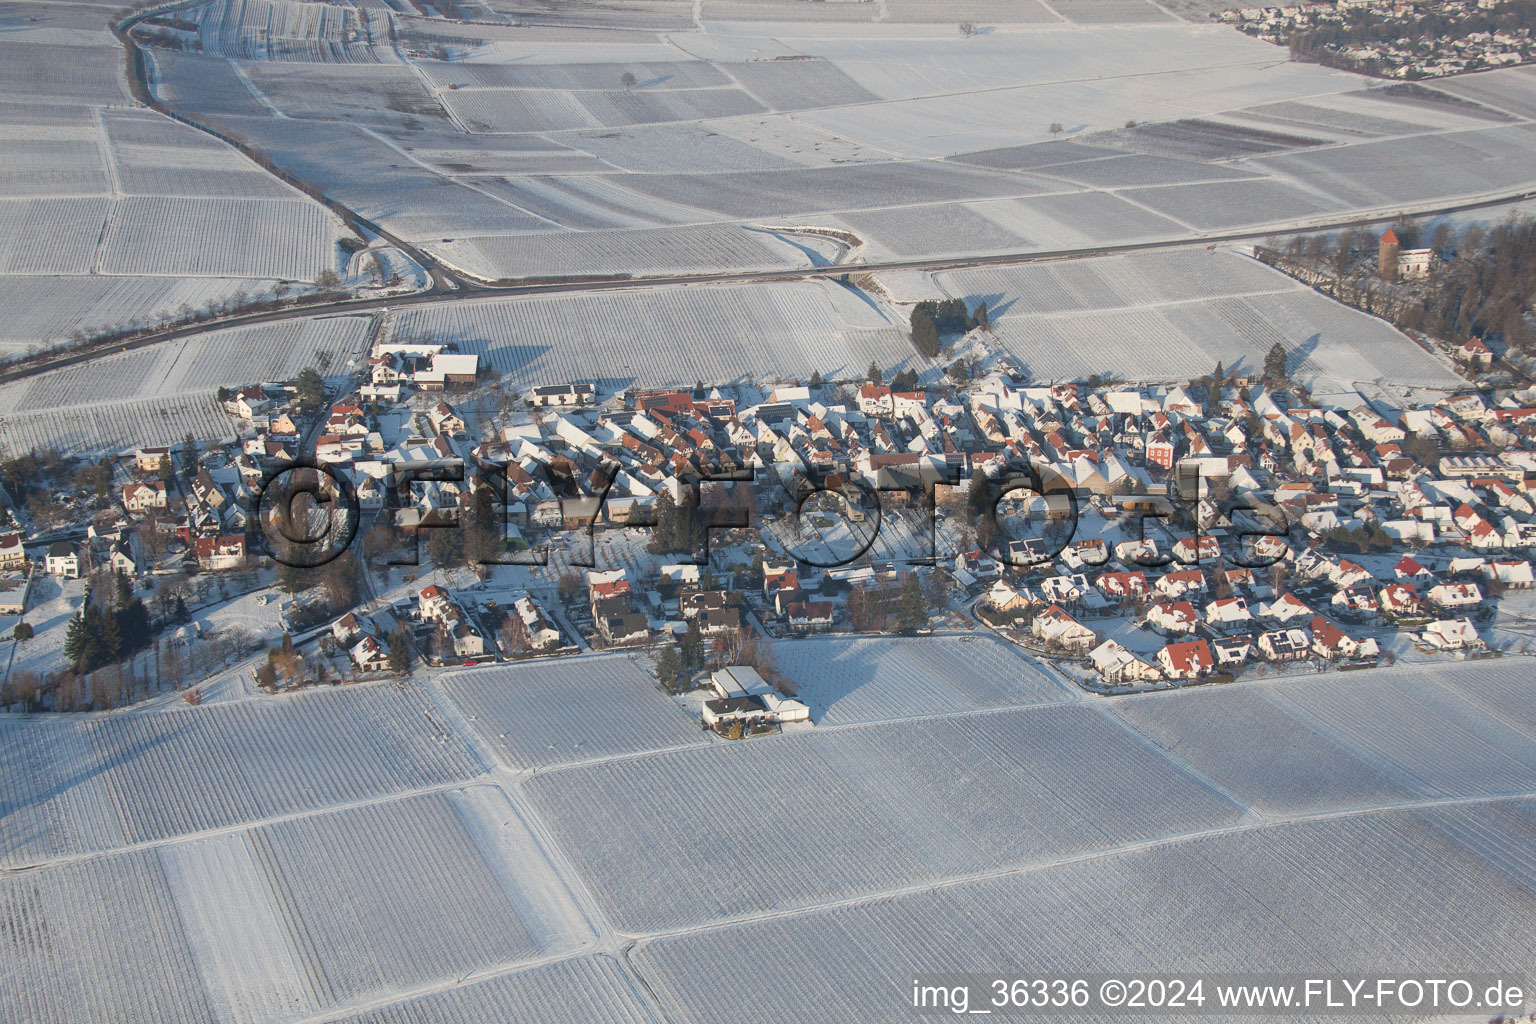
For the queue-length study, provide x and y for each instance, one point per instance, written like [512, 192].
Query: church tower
[1386, 256]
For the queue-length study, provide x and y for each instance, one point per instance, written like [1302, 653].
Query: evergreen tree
[816, 381]
[399, 651]
[757, 565]
[123, 590]
[983, 316]
[912, 606]
[1274, 362]
[693, 646]
[669, 669]
[109, 639]
[77, 640]
[873, 374]
[310, 390]
[188, 456]
[1218, 379]
[925, 332]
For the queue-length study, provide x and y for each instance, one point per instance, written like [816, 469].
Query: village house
[1173, 617]
[809, 616]
[1451, 597]
[1452, 635]
[369, 655]
[1116, 664]
[1230, 611]
[144, 497]
[1190, 659]
[540, 634]
[220, 553]
[1055, 627]
[63, 559]
[1282, 645]
[152, 460]
[12, 555]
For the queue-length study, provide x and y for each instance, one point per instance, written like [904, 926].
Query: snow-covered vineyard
[547, 151]
[387, 851]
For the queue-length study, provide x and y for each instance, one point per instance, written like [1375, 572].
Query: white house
[1452, 635]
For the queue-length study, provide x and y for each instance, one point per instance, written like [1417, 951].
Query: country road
[449, 285]
[437, 295]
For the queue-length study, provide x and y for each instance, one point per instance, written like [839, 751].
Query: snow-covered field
[159, 394]
[571, 710]
[657, 336]
[872, 808]
[1285, 899]
[349, 852]
[1167, 316]
[875, 679]
[122, 213]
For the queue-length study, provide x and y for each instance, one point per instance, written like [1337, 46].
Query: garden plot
[862, 186]
[655, 337]
[1039, 154]
[660, 149]
[1108, 12]
[45, 167]
[784, 10]
[872, 808]
[648, 75]
[278, 30]
[1504, 690]
[41, 311]
[988, 11]
[387, 94]
[1079, 219]
[50, 236]
[620, 108]
[243, 948]
[1129, 170]
[85, 75]
[220, 238]
[861, 680]
[1419, 733]
[941, 228]
[581, 990]
[1243, 741]
[157, 775]
[114, 425]
[370, 176]
[96, 940]
[52, 796]
[1512, 90]
[1112, 282]
[1418, 169]
[798, 84]
[388, 897]
[1224, 204]
[634, 251]
[570, 709]
[200, 85]
[1310, 116]
[517, 110]
[1284, 899]
[1196, 139]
